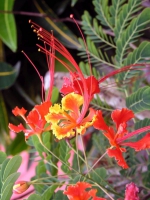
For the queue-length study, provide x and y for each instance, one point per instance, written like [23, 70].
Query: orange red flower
[35, 120]
[64, 118]
[79, 192]
[115, 137]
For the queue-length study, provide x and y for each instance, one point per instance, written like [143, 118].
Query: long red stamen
[125, 68]
[129, 135]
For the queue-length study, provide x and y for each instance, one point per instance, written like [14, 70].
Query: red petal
[142, 144]
[117, 154]
[99, 122]
[78, 192]
[67, 86]
[16, 129]
[121, 116]
[91, 84]
[33, 117]
[17, 111]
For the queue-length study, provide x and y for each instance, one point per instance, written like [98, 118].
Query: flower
[63, 118]
[131, 192]
[78, 192]
[35, 120]
[116, 138]
[20, 187]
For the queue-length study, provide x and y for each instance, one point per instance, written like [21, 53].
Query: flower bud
[20, 187]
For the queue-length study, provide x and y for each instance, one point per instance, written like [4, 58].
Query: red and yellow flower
[79, 192]
[64, 118]
[116, 137]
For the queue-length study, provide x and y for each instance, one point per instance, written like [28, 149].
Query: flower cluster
[74, 115]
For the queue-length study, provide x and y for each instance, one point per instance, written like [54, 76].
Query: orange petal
[142, 144]
[43, 109]
[117, 154]
[121, 116]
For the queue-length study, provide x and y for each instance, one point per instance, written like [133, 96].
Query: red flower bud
[20, 187]
[131, 192]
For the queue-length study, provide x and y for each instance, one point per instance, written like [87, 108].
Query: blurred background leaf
[8, 75]
[8, 32]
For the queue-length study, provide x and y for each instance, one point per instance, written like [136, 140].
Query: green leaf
[17, 145]
[8, 75]
[131, 34]
[94, 31]
[34, 196]
[49, 192]
[73, 2]
[60, 196]
[4, 164]
[7, 193]
[64, 151]
[125, 16]
[3, 156]
[40, 169]
[37, 145]
[55, 95]
[12, 166]
[139, 55]
[4, 118]
[139, 101]
[102, 9]
[114, 10]
[8, 32]
[98, 57]
[99, 175]
[140, 124]
[10, 179]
